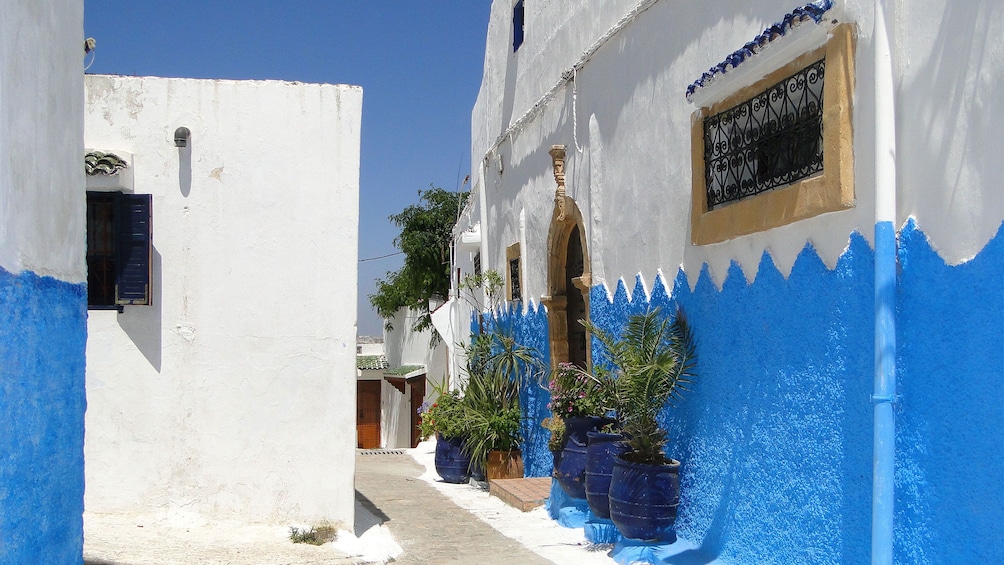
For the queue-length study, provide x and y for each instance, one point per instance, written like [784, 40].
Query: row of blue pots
[641, 500]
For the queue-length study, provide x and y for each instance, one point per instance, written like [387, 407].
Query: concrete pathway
[428, 526]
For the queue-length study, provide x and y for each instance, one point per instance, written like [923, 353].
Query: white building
[221, 349]
[614, 172]
[393, 384]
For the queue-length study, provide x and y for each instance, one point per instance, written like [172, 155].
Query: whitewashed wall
[42, 282]
[631, 172]
[41, 212]
[405, 346]
[232, 396]
[395, 416]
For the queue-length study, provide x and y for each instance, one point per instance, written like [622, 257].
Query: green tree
[426, 237]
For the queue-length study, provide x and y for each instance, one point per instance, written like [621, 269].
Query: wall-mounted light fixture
[181, 136]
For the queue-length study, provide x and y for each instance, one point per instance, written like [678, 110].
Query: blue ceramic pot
[452, 464]
[644, 498]
[571, 468]
[600, 453]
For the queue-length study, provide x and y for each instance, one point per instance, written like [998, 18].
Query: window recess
[779, 150]
[119, 247]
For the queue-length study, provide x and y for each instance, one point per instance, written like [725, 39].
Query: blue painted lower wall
[43, 331]
[530, 330]
[950, 415]
[775, 436]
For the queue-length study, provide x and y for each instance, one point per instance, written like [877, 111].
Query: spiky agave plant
[653, 361]
[491, 400]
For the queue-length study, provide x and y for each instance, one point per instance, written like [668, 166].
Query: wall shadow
[185, 169]
[367, 515]
[143, 324]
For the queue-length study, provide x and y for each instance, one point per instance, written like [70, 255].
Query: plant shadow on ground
[367, 515]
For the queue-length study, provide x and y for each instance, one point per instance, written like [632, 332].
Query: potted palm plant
[654, 363]
[497, 365]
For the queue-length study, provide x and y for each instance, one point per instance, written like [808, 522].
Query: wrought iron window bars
[770, 140]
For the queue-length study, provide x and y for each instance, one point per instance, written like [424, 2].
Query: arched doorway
[576, 309]
[568, 281]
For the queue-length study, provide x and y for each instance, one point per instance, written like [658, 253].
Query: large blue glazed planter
[601, 450]
[452, 464]
[644, 498]
[570, 470]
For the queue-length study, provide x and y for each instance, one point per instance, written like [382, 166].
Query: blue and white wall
[43, 295]
[776, 435]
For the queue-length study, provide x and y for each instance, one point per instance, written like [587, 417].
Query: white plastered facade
[626, 125]
[41, 208]
[408, 349]
[232, 395]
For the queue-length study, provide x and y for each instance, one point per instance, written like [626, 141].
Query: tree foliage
[425, 239]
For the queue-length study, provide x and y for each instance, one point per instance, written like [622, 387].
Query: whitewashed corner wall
[42, 292]
[41, 215]
[232, 396]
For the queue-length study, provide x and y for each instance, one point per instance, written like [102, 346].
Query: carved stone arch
[568, 284]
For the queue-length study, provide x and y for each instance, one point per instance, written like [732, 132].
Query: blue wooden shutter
[517, 25]
[133, 245]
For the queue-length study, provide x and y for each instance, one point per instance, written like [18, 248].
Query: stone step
[525, 494]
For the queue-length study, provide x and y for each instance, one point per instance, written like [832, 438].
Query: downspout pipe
[884, 394]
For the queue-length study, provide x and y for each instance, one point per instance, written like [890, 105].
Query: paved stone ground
[429, 528]
[426, 524]
[133, 540]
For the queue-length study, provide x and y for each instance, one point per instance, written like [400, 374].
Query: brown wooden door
[368, 414]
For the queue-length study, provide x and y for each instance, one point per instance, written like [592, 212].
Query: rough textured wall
[530, 330]
[774, 436]
[950, 414]
[42, 335]
[42, 295]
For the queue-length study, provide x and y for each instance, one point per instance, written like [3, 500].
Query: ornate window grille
[770, 140]
[515, 293]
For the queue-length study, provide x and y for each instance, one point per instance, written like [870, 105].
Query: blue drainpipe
[884, 435]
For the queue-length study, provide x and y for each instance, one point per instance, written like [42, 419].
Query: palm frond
[654, 362]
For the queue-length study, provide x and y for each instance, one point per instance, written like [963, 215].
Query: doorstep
[524, 494]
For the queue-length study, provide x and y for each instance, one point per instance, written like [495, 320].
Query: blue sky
[419, 63]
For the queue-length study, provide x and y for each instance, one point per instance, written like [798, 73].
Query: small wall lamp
[181, 136]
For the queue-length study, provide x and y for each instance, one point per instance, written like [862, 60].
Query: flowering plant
[444, 416]
[575, 392]
[555, 425]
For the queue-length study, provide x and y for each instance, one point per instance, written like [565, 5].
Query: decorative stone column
[558, 161]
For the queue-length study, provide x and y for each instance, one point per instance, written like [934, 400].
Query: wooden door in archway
[568, 281]
[576, 303]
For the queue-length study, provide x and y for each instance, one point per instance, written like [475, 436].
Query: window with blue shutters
[119, 245]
